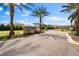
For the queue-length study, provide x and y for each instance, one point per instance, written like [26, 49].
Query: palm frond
[68, 8]
[25, 6]
[30, 4]
[5, 8]
[73, 16]
[20, 8]
[40, 12]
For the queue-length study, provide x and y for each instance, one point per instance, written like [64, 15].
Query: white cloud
[7, 13]
[17, 3]
[1, 8]
[36, 20]
[23, 3]
[6, 4]
[27, 12]
[4, 22]
[24, 15]
[55, 18]
[24, 21]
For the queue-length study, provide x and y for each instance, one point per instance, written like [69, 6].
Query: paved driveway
[50, 43]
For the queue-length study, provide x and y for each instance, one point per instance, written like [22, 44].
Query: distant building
[36, 25]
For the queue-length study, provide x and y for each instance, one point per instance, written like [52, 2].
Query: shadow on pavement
[13, 43]
[54, 36]
[22, 50]
[1, 44]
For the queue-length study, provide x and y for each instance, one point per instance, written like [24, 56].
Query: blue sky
[55, 17]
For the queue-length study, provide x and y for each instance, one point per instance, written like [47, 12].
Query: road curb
[70, 40]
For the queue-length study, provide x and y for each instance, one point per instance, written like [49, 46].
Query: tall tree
[21, 6]
[72, 8]
[40, 13]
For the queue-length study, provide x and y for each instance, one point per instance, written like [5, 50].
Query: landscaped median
[71, 40]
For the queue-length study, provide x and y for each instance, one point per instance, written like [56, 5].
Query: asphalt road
[50, 43]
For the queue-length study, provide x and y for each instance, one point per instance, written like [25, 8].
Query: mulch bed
[76, 38]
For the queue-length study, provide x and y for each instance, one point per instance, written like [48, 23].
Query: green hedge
[7, 27]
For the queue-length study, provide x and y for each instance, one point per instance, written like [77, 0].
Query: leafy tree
[2, 27]
[21, 6]
[40, 13]
[7, 27]
[73, 8]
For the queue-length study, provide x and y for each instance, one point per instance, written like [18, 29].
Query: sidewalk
[69, 38]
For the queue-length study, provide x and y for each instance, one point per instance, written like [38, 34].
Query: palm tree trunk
[12, 16]
[40, 23]
[78, 25]
[71, 26]
[75, 25]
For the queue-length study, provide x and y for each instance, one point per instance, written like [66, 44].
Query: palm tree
[40, 13]
[72, 8]
[12, 9]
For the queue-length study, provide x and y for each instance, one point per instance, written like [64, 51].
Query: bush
[2, 27]
[3, 38]
[50, 27]
[75, 33]
[43, 26]
[7, 27]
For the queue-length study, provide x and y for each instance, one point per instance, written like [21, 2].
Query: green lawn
[6, 33]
